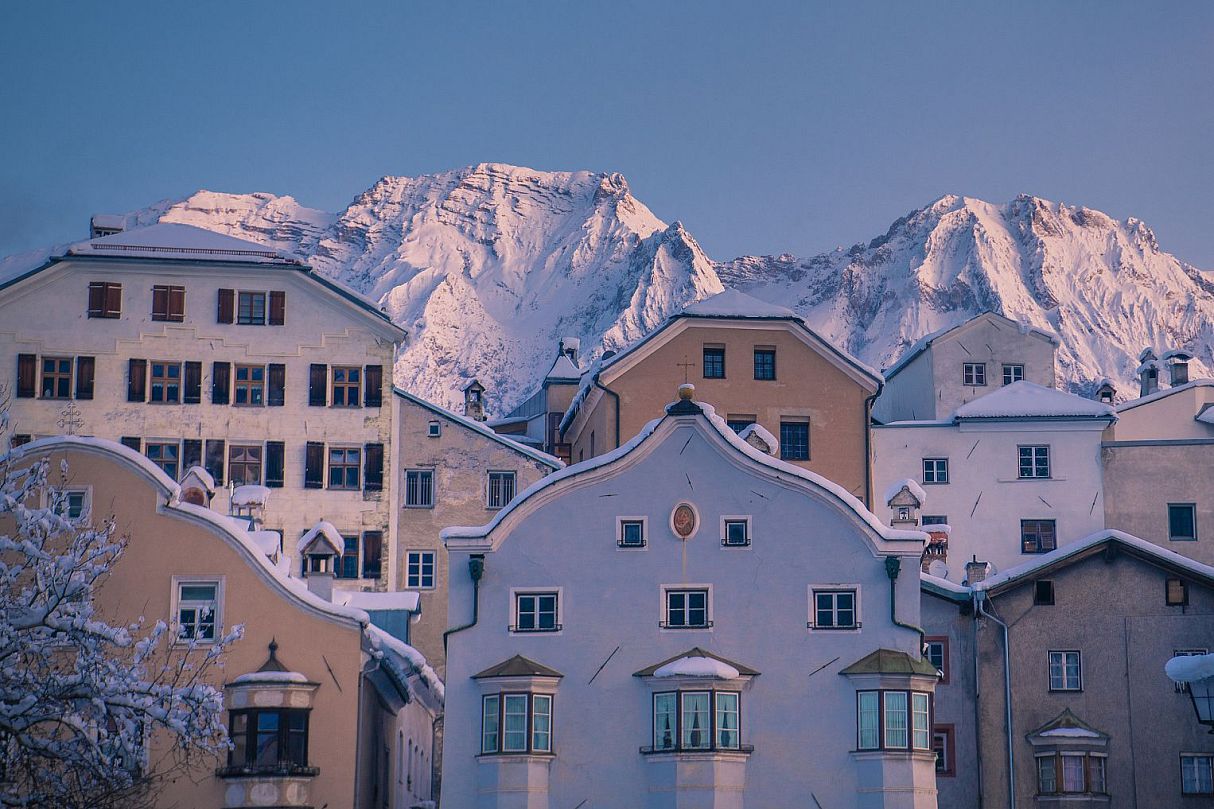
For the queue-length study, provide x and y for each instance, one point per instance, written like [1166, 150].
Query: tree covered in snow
[80, 697]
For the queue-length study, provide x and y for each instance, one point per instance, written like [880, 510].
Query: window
[251, 308]
[765, 363]
[834, 609]
[739, 423]
[1065, 671]
[714, 362]
[686, 609]
[1182, 519]
[535, 612]
[268, 739]
[973, 373]
[1071, 772]
[506, 718]
[344, 464]
[419, 488]
[165, 455]
[1197, 774]
[500, 490]
[105, 299]
[685, 721]
[1043, 593]
[735, 532]
[1034, 462]
[244, 464]
[942, 746]
[935, 650]
[419, 573]
[1013, 373]
[935, 470]
[168, 303]
[197, 610]
[435, 429]
[56, 377]
[934, 519]
[166, 382]
[347, 563]
[75, 503]
[1037, 536]
[631, 532]
[893, 720]
[1183, 688]
[1176, 592]
[794, 440]
[250, 385]
[347, 386]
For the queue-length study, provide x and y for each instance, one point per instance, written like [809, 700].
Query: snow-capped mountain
[489, 266]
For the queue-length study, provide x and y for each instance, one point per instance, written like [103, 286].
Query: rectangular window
[739, 423]
[344, 465]
[935, 470]
[1038, 536]
[250, 388]
[665, 720]
[419, 488]
[942, 746]
[835, 609]
[105, 299]
[687, 609]
[271, 740]
[541, 723]
[347, 563]
[794, 440]
[197, 610]
[516, 723]
[420, 570]
[765, 363]
[973, 373]
[514, 726]
[696, 720]
[1013, 373]
[895, 719]
[536, 612]
[1197, 774]
[736, 532]
[1034, 462]
[244, 464]
[1182, 522]
[714, 362]
[632, 533]
[1073, 773]
[727, 735]
[168, 303]
[500, 489]
[75, 504]
[435, 429]
[1047, 775]
[1043, 593]
[936, 653]
[920, 721]
[251, 308]
[1065, 671]
[868, 710]
[490, 707]
[347, 386]
[166, 455]
[166, 382]
[934, 519]
[56, 377]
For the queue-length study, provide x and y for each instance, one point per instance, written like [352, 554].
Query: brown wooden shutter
[160, 303]
[27, 376]
[373, 552]
[191, 392]
[373, 467]
[276, 393]
[221, 383]
[278, 308]
[177, 304]
[137, 381]
[214, 459]
[85, 369]
[275, 463]
[191, 453]
[227, 306]
[373, 377]
[113, 300]
[318, 380]
[96, 299]
[314, 465]
[132, 441]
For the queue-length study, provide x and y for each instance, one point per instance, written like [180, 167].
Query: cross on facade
[685, 365]
[70, 419]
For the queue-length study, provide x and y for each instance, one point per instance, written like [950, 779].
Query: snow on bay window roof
[1028, 400]
[697, 662]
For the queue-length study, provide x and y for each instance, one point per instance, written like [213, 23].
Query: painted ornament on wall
[684, 520]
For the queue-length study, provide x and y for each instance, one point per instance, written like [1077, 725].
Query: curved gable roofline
[925, 342]
[641, 445]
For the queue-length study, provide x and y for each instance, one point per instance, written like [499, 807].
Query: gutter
[869, 401]
[614, 396]
[893, 566]
[476, 569]
[977, 697]
[980, 599]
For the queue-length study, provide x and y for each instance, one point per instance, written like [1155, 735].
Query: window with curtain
[690, 721]
[893, 720]
[516, 723]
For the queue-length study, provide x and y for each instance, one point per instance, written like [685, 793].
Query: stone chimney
[937, 545]
[1178, 366]
[976, 571]
[1106, 393]
[104, 224]
[1148, 372]
[904, 499]
[320, 582]
[474, 401]
[570, 346]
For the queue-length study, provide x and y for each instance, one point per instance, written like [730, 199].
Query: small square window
[765, 363]
[1182, 522]
[1176, 592]
[1038, 536]
[1043, 593]
[347, 386]
[251, 309]
[419, 488]
[1013, 373]
[420, 570]
[166, 382]
[250, 387]
[736, 532]
[56, 377]
[1034, 462]
[835, 609]
[686, 609]
[165, 455]
[244, 464]
[436, 429]
[973, 373]
[1066, 673]
[344, 467]
[714, 362]
[632, 533]
[536, 612]
[935, 470]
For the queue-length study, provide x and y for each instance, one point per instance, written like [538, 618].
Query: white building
[686, 622]
[1013, 473]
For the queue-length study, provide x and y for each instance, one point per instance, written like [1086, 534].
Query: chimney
[104, 224]
[1148, 372]
[570, 347]
[937, 545]
[1106, 393]
[474, 401]
[1178, 366]
[320, 582]
[976, 571]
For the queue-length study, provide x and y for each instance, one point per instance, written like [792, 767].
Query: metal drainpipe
[980, 598]
[616, 397]
[893, 566]
[868, 445]
[476, 569]
[977, 699]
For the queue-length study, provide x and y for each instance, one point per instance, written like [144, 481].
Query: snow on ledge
[269, 677]
[267, 540]
[764, 435]
[698, 667]
[1188, 668]
[250, 495]
[910, 485]
[1029, 400]
[937, 528]
[406, 600]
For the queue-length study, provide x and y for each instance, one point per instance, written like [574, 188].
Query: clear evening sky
[765, 127]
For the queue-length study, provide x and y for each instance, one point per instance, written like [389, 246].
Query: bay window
[268, 740]
[690, 721]
[516, 723]
[1074, 772]
[893, 720]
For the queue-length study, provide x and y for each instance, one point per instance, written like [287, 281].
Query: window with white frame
[735, 532]
[1013, 373]
[516, 723]
[1197, 774]
[197, 610]
[1066, 671]
[942, 746]
[1182, 521]
[1034, 462]
[419, 573]
[693, 721]
[1071, 773]
[75, 503]
[834, 608]
[686, 608]
[935, 650]
[499, 489]
[536, 612]
[973, 373]
[935, 470]
[435, 429]
[630, 532]
[889, 719]
[419, 488]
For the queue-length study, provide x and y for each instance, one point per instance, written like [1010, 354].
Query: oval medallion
[684, 520]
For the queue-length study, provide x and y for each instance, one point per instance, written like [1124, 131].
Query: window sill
[1183, 539]
[489, 758]
[419, 508]
[700, 754]
[915, 755]
[286, 771]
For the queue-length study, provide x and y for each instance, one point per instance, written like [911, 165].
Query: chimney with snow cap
[570, 347]
[474, 400]
[1178, 366]
[1148, 372]
[976, 571]
[1106, 392]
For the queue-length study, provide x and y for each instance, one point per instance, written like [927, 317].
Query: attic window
[435, 430]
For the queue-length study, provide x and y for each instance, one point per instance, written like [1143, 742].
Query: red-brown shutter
[27, 375]
[96, 299]
[137, 381]
[221, 383]
[132, 441]
[85, 368]
[373, 551]
[160, 303]
[276, 389]
[373, 395]
[318, 380]
[227, 306]
[215, 458]
[373, 467]
[177, 304]
[191, 453]
[275, 464]
[113, 300]
[314, 465]
[192, 383]
[278, 308]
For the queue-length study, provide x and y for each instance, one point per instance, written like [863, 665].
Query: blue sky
[765, 127]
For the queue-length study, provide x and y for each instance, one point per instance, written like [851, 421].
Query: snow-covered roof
[480, 427]
[938, 528]
[1028, 400]
[1206, 416]
[173, 240]
[763, 434]
[409, 663]
[325, 532]
[269, 541]
[925, 342]
[250, 495]
[564, 368]
[912, 486]
[1187, 668]
[202, 476]
[1161, 394]
[270, 677]
[697, 667]
[734, 303]
[404, 600]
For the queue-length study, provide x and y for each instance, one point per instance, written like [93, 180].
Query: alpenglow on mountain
[487, 267]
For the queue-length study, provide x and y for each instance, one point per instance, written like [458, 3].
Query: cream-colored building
[760, 364]
[201, 350]
[364, 704]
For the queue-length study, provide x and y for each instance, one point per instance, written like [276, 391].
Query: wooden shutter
[85, 369]
[132, 441]
[221, 383]
[191, 392]
[113, 300]
[276, 394]
[214, 459]
[373, 467]
[373, 378]
[191, 453]
[278, 308]
[27, 376]
[177, 304]
[314, 466]
[160, 303]
[275, 462]
[137, 381]
[373, 551]
[318, 380]
[96, 299]
[227, 306]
